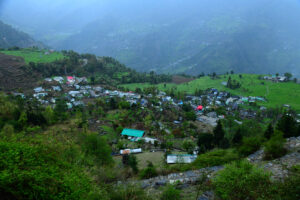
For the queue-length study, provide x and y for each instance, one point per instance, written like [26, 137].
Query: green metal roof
[133, 132]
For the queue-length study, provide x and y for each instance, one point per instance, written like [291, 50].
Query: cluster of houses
[75, 90]
[136, 135]
[276, 78]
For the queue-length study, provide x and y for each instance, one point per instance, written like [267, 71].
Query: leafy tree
[269, 132]
[288, 75]
[219, 133]
[288, 125]
[242, 180]
[274, 148]
[99, 148]
[189, 146]
[49, 115]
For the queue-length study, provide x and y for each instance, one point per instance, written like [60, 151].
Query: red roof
[200, 108]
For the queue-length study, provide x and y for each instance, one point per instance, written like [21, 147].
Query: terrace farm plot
[277, 94]
[36, 56]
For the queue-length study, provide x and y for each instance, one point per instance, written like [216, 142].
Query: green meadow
[36, 56]
[277, 94]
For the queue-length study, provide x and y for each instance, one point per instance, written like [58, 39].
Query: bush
[216, 158]
[250, 145]
[170, 193]
[274, 148]
[290, 188]
[128, 193]
[148, 172]
[97, 146]
[242, 180]
[39, 172]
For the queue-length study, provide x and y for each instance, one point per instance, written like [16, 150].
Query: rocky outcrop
[184, 178]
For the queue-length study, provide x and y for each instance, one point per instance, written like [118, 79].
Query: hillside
[277, 94]
[29, 66]
[35, 55]
[14, 75]
[208, 40]
[10, 37]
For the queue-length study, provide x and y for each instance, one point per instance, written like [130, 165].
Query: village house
[56, 88]
[39, 89]
[59, 79]
[181, 159]
[130, 151]
[75, 94]
[133, 134]
[70, 80]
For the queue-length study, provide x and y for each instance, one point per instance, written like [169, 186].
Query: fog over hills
[171, 36]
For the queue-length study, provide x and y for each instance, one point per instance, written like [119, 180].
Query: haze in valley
[169, 36]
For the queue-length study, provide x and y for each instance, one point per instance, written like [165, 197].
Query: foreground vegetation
[51, 153]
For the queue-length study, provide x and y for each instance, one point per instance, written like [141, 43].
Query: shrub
[274, 148]
[250, 145]
[98, 147]
[170, 193]
[191, 116]
[39, 172]
[242, 180]
[148, 172]
[215, 158]
[205, 141]
[189, 146]
[128, 193]
[290, 188]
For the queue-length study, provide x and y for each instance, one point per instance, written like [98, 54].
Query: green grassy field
[36, 56]
[277, 94]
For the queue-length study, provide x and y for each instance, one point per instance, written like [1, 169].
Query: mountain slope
[9, 37]
[251, 37]
[13, 74]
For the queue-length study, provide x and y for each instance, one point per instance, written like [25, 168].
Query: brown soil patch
[181, 79]
[13, 74]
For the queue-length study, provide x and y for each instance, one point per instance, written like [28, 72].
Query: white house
[185, 159]
[130, 151]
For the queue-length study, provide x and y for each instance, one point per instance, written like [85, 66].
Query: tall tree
[238, 137]
[205, 141]
[219, 133]
[269, 132]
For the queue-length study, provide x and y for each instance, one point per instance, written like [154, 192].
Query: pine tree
[133, 163]
[269, 132]
[205, 141]
[238, 137]
[219, 134]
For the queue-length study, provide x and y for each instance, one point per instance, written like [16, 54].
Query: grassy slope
[36, 56]
[277, 94]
